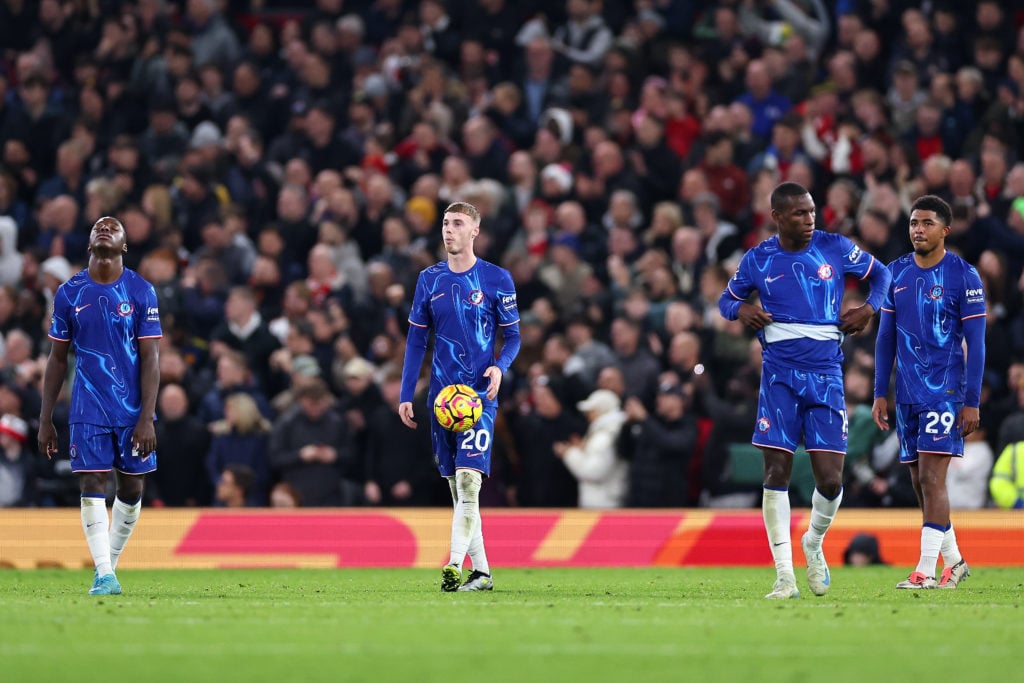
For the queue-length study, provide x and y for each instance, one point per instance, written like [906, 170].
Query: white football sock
[122, 524]
[477, 553]
[466, 519]
[775, 508]
[931, 541]
[94, 523]
[823, 511]
[950, 551]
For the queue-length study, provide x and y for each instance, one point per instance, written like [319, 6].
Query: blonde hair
[466, 208]
[248, 419]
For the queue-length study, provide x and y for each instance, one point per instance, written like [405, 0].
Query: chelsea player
[464, 301]
[935, 304]
[109, 315]
[800, 276]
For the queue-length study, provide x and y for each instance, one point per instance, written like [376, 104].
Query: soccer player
[935, 304]
[109, 315]
[800, 275]
[463, 300]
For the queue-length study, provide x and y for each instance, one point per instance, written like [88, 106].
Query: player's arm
[415, 351]
[856, 319]
[885, 356]
[974, 335]
[53, 379]
[732, 304]
[144, 436]
[508, 320]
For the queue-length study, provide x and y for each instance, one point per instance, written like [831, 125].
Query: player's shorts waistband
[777, 332]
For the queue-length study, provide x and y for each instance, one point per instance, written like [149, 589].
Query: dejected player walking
[109, 315]
[936, 303]
[464, 300]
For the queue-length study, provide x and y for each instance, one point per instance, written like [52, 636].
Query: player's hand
[854, 320]
[405, 412]
[753, 316]
[144, 437]
[880, 411]
[47, 439]
[969, 420]
[493, 374]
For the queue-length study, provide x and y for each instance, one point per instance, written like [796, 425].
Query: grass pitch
[587, 625]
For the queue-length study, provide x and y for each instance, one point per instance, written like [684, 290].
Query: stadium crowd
[281, 170]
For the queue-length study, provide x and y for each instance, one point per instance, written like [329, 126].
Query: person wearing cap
[110, 316]
[593, 459]
[799, 275]
[16, 471]
[464, 301]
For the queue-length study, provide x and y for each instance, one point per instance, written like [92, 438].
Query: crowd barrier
[360, 537]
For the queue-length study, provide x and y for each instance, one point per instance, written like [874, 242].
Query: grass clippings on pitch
[650, 624]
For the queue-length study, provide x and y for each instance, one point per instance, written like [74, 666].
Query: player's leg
[932, 469]
[777, 433]
[825, 433]
[92, 457]
[480, 578]
[908, 427]
[125, 513]
[130, 470]
[775, 508]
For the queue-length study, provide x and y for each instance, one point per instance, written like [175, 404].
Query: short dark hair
[785, 193]
[245, 477]
[930, 202]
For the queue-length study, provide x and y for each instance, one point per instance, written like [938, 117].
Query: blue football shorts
[101, 449]
[798, 403]
[929, 428]
[470, 449]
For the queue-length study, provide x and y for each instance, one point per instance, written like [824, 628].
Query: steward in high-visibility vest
[1007, 482]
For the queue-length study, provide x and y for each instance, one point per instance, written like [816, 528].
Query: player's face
[927, 232]
[107, 235]
[796, 220]
[458, 231]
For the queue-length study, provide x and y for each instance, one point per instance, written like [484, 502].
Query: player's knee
[830, 488]
[467, 483]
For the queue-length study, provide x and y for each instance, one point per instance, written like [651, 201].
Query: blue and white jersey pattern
[104, 324]
[931, 306]
[465, 311]
[803, 292]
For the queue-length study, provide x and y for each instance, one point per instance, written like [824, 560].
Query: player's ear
[124, 248]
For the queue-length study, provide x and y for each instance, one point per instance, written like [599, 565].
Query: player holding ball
[464, 300]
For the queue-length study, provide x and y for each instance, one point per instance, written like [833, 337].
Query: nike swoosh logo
[437, 296]
[898, 290]
[778, 544]
[770, 280]
[79, 309]
[89, 526]
[127, 523]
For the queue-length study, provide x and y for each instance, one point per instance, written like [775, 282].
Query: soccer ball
[458, 407]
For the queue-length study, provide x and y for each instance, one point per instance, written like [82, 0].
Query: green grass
[538, 625]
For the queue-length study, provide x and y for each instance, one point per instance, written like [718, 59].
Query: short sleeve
[60, 320]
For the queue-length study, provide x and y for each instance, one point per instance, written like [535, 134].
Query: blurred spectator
[17, 475]
[240, 439]
[181, 479]
[244, 330]
[234, 487]
[310, 450]
[593, 459]
[659, 447]
[396, 469]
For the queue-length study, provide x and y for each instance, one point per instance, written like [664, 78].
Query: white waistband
[776, 332]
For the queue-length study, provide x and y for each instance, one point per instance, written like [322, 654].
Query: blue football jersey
[931, 306]
[465, 311]
[803, 291]
[104, 324]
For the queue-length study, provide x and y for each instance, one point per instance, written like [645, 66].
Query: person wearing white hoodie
[593, 459]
